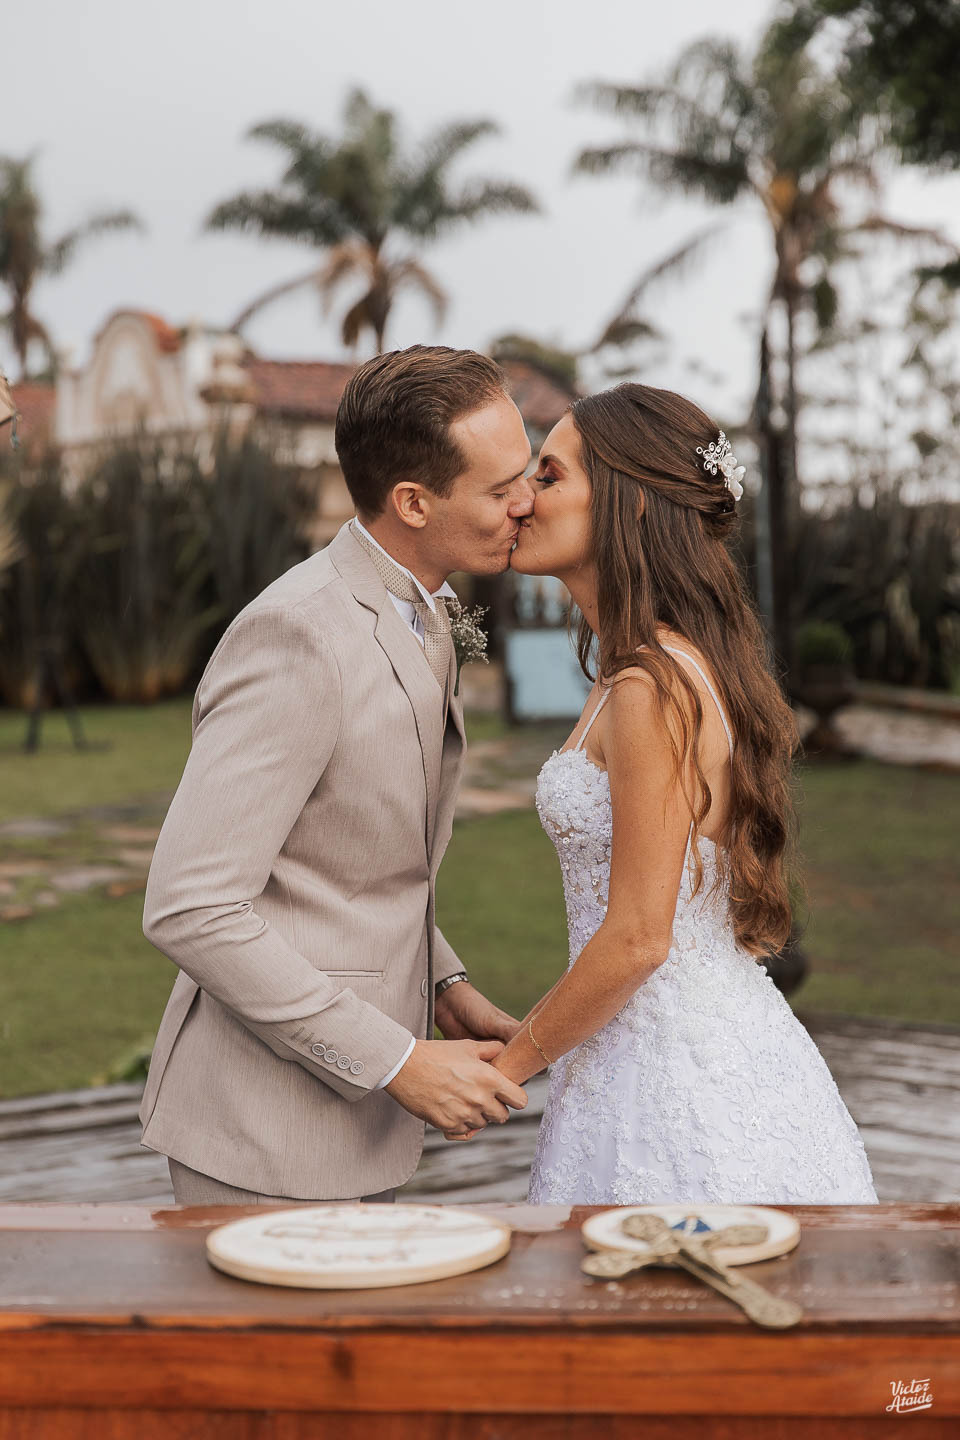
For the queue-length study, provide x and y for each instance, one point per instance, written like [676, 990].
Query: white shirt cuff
[397, 1068]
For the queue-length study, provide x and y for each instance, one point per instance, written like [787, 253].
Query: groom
[293, 880]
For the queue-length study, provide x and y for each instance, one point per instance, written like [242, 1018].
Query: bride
[678, 1070]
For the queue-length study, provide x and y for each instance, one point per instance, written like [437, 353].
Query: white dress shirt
[408, 614]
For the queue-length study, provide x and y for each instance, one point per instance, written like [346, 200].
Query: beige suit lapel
[409, 663]
[451, 765]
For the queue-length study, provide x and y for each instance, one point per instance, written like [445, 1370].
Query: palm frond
[720, 179]
[882, 225]
[861, 168]
[315, 220]
[448, 141]
[275, 292]
[359, 112]
[630, 155]
[62, 251]
[345, 262]
[289, 135]
[351, 258]
[645, 102]
[411, 274]
[491, 197]
[670, 266]
[623, 331]
[357, 319]
[626, 325]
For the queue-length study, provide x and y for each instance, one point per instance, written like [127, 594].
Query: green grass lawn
[80, 987]
[880, 847]
[136, 751]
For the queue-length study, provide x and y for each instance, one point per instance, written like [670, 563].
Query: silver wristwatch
[442, 985]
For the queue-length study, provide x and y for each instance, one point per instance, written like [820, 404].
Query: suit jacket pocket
[352, 974]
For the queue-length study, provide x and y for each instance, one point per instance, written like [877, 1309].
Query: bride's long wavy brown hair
[662, 527]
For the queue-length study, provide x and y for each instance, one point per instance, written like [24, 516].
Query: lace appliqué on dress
[705, 1086]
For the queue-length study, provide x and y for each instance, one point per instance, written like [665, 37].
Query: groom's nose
[522, 501]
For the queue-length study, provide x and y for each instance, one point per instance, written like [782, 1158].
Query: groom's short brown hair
[394, 418]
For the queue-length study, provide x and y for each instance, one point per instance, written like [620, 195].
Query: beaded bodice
[573, 802]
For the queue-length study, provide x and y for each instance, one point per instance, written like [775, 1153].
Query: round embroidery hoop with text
[356, 1246]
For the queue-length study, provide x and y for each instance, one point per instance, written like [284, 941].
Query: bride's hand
[500, 1062]
[466, 1135]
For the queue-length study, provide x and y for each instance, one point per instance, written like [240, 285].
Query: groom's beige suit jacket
[293, 885]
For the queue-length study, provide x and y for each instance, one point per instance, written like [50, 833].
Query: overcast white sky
[147, 108]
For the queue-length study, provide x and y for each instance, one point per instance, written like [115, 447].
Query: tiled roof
[311, 389]
[540, 400]
[35, 404]
[298, 389]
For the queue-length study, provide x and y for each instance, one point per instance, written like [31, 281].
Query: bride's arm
[535, 1009]
[651, 821]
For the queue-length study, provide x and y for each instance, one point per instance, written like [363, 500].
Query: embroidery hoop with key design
[605, 1231]
[705, 1240]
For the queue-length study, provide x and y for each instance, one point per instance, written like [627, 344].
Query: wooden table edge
[447, 1371]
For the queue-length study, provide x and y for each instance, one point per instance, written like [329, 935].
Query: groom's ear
[411, 502]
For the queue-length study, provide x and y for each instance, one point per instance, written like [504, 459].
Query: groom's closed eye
[501, 490]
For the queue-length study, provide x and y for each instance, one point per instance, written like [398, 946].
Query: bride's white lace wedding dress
[705, 1086]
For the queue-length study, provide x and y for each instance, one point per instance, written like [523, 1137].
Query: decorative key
[692, 1252]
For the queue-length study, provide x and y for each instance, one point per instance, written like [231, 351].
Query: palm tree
[351, 196]
[25, 255]
[776, 129]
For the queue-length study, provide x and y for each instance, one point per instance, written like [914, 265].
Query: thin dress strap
[603, 700]
[699, 670]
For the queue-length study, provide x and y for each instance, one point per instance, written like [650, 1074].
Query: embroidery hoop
[603, 1232]
[357, 1246]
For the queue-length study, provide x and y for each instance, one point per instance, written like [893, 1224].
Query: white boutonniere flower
[469, 639]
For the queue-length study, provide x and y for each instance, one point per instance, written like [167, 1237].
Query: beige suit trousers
[192, 1188]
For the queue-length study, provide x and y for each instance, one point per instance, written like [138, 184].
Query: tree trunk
[774, 555]
[20, 335]
[791, 490]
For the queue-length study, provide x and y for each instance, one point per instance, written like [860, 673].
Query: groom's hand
[462, 1013]
[452, 1085]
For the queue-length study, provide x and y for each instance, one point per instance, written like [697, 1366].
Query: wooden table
[113, 1325]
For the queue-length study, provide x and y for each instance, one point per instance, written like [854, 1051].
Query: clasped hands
[452, 1083]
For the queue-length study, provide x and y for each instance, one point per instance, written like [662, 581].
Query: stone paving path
[901, 1083]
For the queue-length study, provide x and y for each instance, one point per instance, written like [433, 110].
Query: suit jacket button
[423, 988]
[344, 1062]
[357, 1067]
[318, 1050]
[331, 1056]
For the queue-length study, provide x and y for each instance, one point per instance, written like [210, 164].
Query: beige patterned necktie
[437, 641]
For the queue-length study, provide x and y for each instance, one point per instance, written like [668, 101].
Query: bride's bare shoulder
[635, 696]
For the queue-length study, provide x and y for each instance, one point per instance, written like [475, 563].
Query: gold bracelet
[537, 1042]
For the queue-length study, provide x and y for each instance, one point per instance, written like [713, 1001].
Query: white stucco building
[179, 384]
